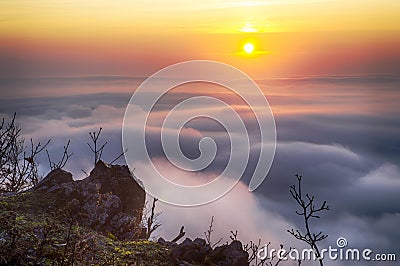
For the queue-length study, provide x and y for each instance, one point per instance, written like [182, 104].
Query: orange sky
[136, 38]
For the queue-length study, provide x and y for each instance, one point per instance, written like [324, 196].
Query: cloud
[374, 194]
[341, 134]
[238, 210]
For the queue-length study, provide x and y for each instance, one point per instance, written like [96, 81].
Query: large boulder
[192, 251]
[54, 178]
[117, 180]
[199, 252]
[109, 200]
[229, 255]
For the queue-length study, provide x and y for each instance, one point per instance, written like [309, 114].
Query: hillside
[94, 221]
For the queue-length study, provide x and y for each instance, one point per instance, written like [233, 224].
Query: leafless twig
[64, 159]
[119, 156]
[209, 232]
[18, 166]
[95, 148]
[152, 222]
[180, 235]
[308, 210]
[233, 235]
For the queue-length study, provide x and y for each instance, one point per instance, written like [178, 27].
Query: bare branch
[233, 235]
[209, 232]
[98, 152]
[180, 235]
[64, 159]
[18, 166]
[86, 173]
[119, 156]
[152, 222]
[307, 211]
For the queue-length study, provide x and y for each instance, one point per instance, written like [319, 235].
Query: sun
[248, 48]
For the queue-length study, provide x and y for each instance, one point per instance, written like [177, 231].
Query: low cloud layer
[340, 134]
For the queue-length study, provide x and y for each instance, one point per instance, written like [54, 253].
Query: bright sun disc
[248, 48]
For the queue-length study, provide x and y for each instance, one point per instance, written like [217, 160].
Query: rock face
[192, 251]
[230, 255]
[109, 200]
[198, 252]
[55, 177]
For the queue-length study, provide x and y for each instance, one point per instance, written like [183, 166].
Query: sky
[329, 70]
[137, 38]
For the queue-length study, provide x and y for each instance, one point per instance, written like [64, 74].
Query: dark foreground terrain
[94, 221]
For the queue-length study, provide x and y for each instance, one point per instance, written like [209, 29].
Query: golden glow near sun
[248, 48]
[248, 28]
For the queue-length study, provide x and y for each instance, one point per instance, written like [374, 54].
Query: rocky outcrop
[198, 252]
[192, 251]
[109, 200]
[229, 255]
[54, 178]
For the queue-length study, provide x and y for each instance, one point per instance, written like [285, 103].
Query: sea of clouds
[340, 133]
